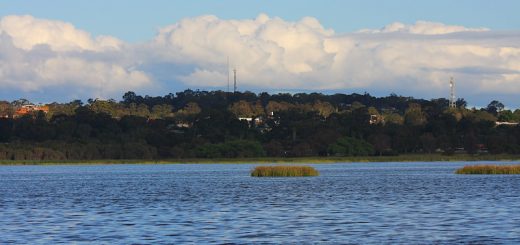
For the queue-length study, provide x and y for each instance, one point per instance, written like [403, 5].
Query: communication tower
[235, 80]
[452, 93]
[227, 71]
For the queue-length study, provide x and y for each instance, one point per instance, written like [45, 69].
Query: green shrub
[231, 149]
[348, 146]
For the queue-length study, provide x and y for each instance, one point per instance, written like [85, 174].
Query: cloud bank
[44, 56]
[269, 54]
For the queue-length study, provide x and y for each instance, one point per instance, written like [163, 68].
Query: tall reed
[489, 169]
[284, 171]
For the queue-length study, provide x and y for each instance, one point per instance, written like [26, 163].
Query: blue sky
[60, 50]
[138, 20]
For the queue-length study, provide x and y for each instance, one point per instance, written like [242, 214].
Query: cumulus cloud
[265, 50]
[42, 55]
[269, 54]
[272, 53]
[27, 32]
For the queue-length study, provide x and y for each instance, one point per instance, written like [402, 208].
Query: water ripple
[388, 203]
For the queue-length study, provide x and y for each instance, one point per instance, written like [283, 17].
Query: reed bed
[489, 169]
[295, 160]
[284, 171]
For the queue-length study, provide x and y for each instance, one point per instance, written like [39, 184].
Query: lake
[220, 203]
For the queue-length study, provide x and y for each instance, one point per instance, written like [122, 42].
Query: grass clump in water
[284, 171]
[489, 169]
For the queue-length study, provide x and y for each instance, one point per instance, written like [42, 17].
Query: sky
[61, 50]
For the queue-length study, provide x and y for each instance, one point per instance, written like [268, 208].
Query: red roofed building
[26, 109]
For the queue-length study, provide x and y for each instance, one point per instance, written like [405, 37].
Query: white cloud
[210, 78]
[409, 59]
[423, 28]
[263, 50]
[110, 77]
[269, 53]
[41, 55]
[27, 32]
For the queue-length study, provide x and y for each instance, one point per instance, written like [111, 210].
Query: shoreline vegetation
[281, 160]
[217, 126]
[489, 169]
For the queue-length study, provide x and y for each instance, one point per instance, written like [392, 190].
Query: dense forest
[217, 124]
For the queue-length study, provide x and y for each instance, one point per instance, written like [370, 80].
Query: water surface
[221, 203]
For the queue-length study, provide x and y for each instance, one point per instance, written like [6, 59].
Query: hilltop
[217, 124]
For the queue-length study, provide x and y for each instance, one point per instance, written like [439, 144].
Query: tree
[63, 109]
[130, 97]
[405, 139]
[380, 142]
[470, 142]
[109, 107]
[274, 106]
[302, 149]
[357, 105]
[242, 109]
[482, 115]
[494, 107]
[20, 102]
[516, 115]
[461, 103]
[6, 129]
[393, 118]
[429, 143]
[140, 110]
[162, 111]
[348, 146]
[505, 116]
[274, 148]
[6, 109]
[235, 148]
[414, 115]
[496, 144]
[323, 108]
[258, 109]
[191, 108]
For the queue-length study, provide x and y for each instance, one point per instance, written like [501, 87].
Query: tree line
[217, 124]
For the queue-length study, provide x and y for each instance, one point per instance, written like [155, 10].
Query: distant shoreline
[266, 160]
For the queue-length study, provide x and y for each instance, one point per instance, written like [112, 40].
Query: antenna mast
[452, 93]
[227, 71]
[235, 80]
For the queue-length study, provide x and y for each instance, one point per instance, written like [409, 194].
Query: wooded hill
[215, 124]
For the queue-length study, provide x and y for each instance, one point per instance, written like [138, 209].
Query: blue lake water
[348, 203]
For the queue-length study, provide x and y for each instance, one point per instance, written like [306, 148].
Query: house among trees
[30, 108]
[19, 108]
[374, 119]
[498, 123]
[255, 121]
[248, 119]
